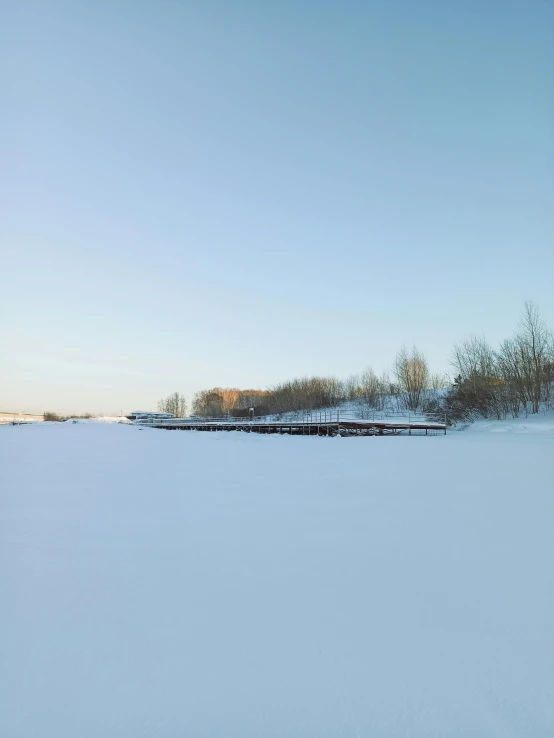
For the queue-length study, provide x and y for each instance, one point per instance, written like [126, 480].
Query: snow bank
[540, 423]
[160, 583]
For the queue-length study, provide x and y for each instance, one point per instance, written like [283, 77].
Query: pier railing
[308, 417]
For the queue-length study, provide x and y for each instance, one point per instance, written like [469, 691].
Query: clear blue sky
[235, 193]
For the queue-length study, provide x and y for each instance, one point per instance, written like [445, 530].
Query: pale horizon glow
[236, 194]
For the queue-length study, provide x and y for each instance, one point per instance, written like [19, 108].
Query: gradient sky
[236, 193]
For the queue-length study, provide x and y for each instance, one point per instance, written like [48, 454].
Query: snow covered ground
[229, 585]
[10, 418]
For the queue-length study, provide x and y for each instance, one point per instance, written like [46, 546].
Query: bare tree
[174, 404]
[475, 361]
[350, 387]
[373, 390]
[208, 403]
[412, 373]
[526, 362]
[438, 381]
[479, 383]
[535, 345]
[518, 377]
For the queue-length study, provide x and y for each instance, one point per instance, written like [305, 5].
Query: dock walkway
[302, 427]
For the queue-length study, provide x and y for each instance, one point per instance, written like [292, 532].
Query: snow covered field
[225, 585]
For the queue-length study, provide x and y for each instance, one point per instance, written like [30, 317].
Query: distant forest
[512, 379]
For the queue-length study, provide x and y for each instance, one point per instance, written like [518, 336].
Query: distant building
[145, 414]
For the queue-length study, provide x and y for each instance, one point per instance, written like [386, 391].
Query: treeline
[56, 418]
[408, 389]
[230, 401]
[513, 379]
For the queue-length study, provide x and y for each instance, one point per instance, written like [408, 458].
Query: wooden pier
[301, 427]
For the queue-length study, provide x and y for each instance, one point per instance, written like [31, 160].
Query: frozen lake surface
[224, 585]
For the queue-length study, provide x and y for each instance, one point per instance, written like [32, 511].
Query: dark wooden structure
[302, 428]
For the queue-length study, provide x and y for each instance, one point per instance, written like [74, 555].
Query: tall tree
[412, 374]
[174, 404]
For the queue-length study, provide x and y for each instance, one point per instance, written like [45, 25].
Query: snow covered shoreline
[226, 584]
